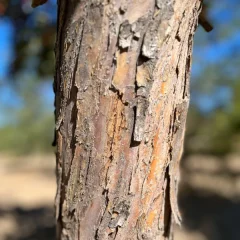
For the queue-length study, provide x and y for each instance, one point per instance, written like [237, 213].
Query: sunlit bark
[122, 94]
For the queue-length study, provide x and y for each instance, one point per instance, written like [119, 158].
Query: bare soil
[209, 198]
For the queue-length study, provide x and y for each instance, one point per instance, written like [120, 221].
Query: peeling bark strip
[122, 94]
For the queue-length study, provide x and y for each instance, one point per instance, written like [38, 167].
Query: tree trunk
[122, 94]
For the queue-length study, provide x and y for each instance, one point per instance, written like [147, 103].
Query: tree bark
[122, 94]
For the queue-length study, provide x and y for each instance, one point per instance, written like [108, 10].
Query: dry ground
[209, 198]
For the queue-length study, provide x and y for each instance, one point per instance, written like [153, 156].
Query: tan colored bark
[122, 94]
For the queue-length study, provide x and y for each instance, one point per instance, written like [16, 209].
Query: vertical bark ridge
[122, 94]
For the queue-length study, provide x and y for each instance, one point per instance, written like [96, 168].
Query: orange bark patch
[152, 171]
[155, 210]
[155, 162]
[121, 70]
[142, 76]
[114, 130]
[163, 88]
[155, 172]
[150, 218]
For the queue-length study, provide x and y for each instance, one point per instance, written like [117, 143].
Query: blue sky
[6, 46]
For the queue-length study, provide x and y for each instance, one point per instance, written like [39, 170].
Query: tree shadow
[31, 224]
[213, 215]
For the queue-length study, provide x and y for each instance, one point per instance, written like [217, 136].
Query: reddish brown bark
[122, 94]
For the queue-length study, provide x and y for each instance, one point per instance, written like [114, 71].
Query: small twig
[203, 21]
[36, 3]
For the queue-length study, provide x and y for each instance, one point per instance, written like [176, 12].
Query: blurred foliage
[213, 125]
[217, 133]
[34, 36]
[214, 117]
[32, 125]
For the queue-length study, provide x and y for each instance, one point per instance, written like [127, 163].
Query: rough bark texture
[122, 94]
